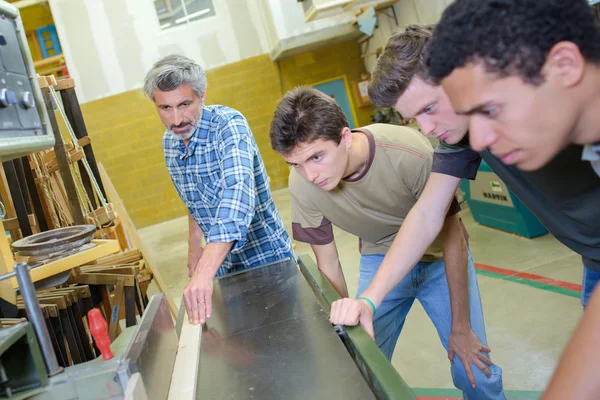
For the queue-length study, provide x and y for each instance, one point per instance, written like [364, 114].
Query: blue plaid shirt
[223, 182]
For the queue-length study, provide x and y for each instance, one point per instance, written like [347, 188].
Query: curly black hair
[511, 37]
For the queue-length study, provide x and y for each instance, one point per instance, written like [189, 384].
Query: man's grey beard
[188, 135]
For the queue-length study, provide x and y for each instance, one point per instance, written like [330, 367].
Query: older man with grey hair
[218, 172]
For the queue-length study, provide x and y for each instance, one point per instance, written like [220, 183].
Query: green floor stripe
[528, 282]
[510, 394]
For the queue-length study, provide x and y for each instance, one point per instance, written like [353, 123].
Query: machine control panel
[23, 121]
[15, 117]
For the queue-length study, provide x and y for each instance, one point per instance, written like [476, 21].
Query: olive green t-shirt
[373, 205]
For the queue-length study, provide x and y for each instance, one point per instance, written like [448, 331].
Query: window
[173, 13]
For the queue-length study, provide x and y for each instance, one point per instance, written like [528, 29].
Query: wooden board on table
[126, 221]
[184, 380]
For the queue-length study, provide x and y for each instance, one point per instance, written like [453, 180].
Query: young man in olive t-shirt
[365, 181]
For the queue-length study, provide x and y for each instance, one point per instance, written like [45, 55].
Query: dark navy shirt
[564, 194]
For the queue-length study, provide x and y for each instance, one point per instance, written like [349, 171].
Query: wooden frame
[102, 248]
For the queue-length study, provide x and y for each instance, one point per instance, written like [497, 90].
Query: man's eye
[429, 109]
[166, 108]
[489, 112]
[185, 104]
[317, 158]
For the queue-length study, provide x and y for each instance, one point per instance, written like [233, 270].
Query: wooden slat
[111, 269]
[47, 61]
[102, 279]
[125, 257]
[63, 84]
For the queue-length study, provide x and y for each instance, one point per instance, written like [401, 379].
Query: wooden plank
[135, 389]
[184, 380]
[102, 248]
[126, 221]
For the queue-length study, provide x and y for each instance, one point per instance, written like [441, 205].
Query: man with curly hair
[528, 76]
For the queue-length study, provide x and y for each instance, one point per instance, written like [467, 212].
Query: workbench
[269, 337]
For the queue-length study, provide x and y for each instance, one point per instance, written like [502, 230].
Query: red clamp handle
[99, 331]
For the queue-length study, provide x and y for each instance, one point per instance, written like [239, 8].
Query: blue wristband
[370, 303]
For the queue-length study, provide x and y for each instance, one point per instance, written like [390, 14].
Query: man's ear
[565, 65]
[203, 97]
[347, 137]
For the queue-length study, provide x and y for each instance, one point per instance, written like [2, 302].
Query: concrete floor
[527, 326]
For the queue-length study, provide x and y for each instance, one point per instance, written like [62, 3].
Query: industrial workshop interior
[181, 199]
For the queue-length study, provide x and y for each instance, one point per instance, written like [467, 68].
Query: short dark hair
[511, 37]
[304, 115]
[401, 60]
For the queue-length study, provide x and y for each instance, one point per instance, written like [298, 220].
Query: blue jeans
[590, 279]
[427, 283]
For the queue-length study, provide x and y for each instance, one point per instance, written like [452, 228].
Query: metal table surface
[268, 338]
